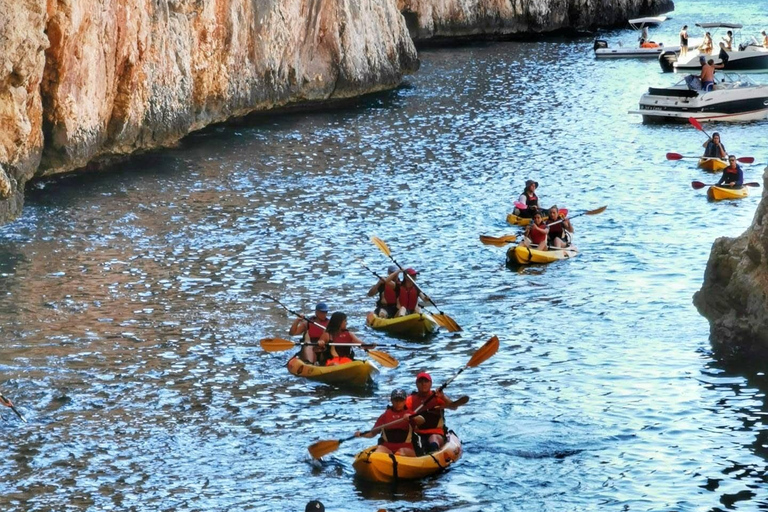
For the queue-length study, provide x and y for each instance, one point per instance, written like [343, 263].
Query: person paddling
[388, 290]
[713, 148]
[312, 332]
[536, 233]
[397, 438]
[559, 234]
[732, 176]
[337, 332]
[430, 435]
[529, 199]
[408, 295]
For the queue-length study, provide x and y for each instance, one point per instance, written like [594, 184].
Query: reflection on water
[132, 312]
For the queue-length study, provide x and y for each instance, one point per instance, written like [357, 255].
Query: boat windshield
[724, 80]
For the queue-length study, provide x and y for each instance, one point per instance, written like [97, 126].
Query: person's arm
[375, 288]
[298, 327]
[537, 228]
[723, 152]
[323, 339]
[721, 180]
[739, 176]
[705, 144]
[522, 199]
[567, 226]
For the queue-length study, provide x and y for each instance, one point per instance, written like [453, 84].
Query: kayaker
[311, 354]
[559, 234]
[395, 438]
[430, 434]
[732, 176]
[684, 40]
[713, 148]
[314, 506]
[388, 290]
[337, 332]
[408, 295]
[529, 199]
[536, 233]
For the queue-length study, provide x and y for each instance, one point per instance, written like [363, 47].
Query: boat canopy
[638, 23]
[719, 25]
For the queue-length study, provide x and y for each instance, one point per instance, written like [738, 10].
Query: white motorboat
[646, 49]
[734, 98]
[749, 55]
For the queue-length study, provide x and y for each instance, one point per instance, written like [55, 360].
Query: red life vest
[409, 298]
[537, 236]
[314, 331]
[556, 230]
[389, 295]
[434, 421]
[398, 434]
[342, 337]
[531, 199]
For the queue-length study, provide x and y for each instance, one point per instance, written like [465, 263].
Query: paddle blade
[596, 211]
[378, 242]
[695, 124]
[323, 448]
[751, 184]
[276, 344]
[459, 402]
[446, 322]
[384, 359]
[497, 240]
[746, 159]
[698, 185]
[485, 352]
[674, 156]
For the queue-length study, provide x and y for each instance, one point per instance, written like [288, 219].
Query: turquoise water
[131, 302]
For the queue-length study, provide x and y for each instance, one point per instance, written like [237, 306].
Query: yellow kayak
[522, 255]
[720, 193]
[356, 373]
[380, 467]
[523, 221]
[416, 325]
[713, 164]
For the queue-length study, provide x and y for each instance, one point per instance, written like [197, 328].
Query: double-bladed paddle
[699, 185]
[380, 357]
[696, 124]
[741, 159]
[323, 448]
[441, 318]
[280, 345]
[7, 402]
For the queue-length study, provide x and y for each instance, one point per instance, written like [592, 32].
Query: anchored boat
[646, 49]
[748, 56]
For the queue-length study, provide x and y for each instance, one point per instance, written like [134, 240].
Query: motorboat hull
[633, 53]
[753, 58]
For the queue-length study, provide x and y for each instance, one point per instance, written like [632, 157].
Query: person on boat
[333, 341]
[732, 176]
[723, 55]
[765, 39]
[408, 295]
[396, 438]
[559, 234]
[529, 199]
[430, 435]
[684, 40]
[728, 40]
[310, 328]
[536, 233]
[644, 36]
[388, 289]
[706, 46]
[713, 148]
[707, 75]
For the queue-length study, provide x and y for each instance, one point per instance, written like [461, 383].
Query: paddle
[380, 357]
[280, 345]
[497, 240]
[7, 402]
[678, 156]
[699, 185]
[442, 319]
[588, 212]
[323, 448]
[696, 124]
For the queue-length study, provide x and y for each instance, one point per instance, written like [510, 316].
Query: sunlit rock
[734, 296]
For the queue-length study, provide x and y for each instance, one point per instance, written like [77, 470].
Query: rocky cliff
[734, 296]
[85, 80]
[446, 20]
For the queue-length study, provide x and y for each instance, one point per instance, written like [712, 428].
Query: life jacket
[314, 332]
[536, 236]
[556, 230]
[398, 433]
[388, 295]
[531, 200]
[409, 298]
[342, 337]
[434, 420]
[730, 175]
[711, 151]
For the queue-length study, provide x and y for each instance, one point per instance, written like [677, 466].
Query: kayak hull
[379, 467]
[522, 255]
[713, 164]
[723, 193]
[416, 325]
[354, 374]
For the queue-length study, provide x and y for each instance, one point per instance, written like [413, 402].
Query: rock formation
[446, 20]
[734, 296]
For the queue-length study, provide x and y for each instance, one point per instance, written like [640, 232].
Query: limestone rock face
[434, 20]
[734, 296]
[116, 76]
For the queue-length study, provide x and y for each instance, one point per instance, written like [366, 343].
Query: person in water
[732, 176]
[559, 234]
[409, 294]
[312, 330]
[707, 75]
[713, 148]
[430, 435]
[536, 233]
[337, 341]
[388, 290]
[684, 40]
[398, 437]
[529, 199]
